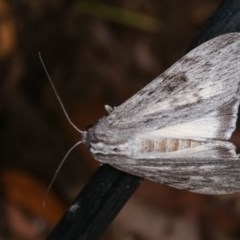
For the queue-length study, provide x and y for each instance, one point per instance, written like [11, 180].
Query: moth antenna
[58, 97]
[57, 171]
[83, 133]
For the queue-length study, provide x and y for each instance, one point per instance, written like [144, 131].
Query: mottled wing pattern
[200, 175]
[204, 80]
[218, 124]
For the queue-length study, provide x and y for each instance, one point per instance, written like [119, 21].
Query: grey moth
[176, 130]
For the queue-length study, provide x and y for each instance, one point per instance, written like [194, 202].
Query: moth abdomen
[166, 145]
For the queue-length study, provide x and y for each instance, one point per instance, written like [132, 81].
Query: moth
[176, 130]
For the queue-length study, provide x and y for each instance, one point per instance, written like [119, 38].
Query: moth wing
[205, 79]
[210, 168]
[190, 169]
[218, 124]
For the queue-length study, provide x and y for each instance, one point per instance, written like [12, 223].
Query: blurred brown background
[97, 52]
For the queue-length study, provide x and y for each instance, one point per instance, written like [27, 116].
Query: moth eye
[116, 149]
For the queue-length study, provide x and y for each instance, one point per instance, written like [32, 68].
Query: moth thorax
[168, 144]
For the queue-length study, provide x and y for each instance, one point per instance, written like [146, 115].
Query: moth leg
[108, 108]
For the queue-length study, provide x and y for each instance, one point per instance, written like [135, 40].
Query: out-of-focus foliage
[97, 52]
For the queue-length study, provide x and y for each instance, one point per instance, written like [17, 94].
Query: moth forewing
[176, 129]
